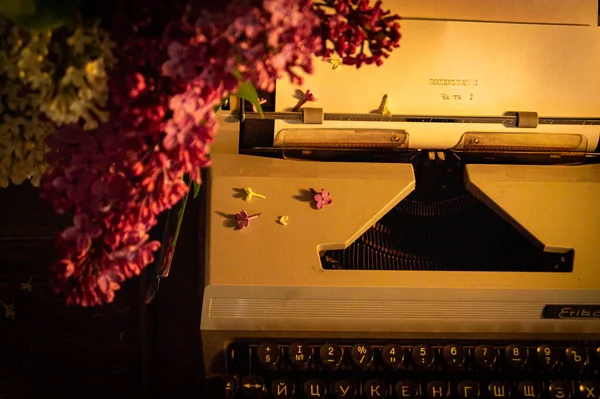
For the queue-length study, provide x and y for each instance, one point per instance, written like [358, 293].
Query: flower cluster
[117, 179]
[82, 92]
[349, 27]
[108, 241]
[214, 51]
[66, 93]
[22, 129]
[22, 147]
[37, 92]
[174, 66]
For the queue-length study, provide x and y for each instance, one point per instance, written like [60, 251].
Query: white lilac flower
[22, 149]
[66, 94]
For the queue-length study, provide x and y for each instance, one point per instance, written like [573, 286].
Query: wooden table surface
[123, 350]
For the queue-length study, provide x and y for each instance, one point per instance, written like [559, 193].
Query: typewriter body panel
[384, 266]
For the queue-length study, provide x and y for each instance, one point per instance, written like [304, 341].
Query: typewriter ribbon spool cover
[270, 279]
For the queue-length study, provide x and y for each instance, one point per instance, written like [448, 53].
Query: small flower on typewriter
[243, 220]
[308, 96]
[335, 63]
[385, 111]
[251, 194]
[323, 198]
[261, 101]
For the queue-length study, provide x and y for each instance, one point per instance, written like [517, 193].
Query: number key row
[423, 356]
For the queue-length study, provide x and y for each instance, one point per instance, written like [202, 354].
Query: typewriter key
[589, 390]
[516, 355]
[407, 389]
[268, 355]
[423, 356]
[499, 389]
[344, 389]
[576, 357]
[468, 390]
[547, 356]
[362, 356]
[253, 386]
[485, 355]
[331, 356]
[282, 388]
[559, 390]
[315, 389]
[438, 389]
[529, 389]
[230, 387]
[454, 355]
[393, 356]
[299, 355]
[375, 389]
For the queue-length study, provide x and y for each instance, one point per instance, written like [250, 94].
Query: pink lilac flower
[118, 179]
[227, 47]
[243, 220]
[224, 48]
[355, 27]
[108, 241]
[82, 233]
[323, 198]
[308, 96]
[175, 65]
[179, 64]
[287, 26]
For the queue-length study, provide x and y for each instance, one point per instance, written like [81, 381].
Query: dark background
[123, 350]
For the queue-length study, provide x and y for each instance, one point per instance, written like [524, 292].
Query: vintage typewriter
[459, 256]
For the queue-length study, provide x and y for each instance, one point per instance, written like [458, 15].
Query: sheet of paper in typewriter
[577, 12]
[464, 69]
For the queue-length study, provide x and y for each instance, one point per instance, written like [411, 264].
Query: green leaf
[247, 91]
[196, 189]
[179, 220]
[171, 234]
[40, 14]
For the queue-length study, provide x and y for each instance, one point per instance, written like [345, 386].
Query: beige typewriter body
[267, 279]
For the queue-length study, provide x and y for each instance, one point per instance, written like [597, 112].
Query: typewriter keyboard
[416, 370]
